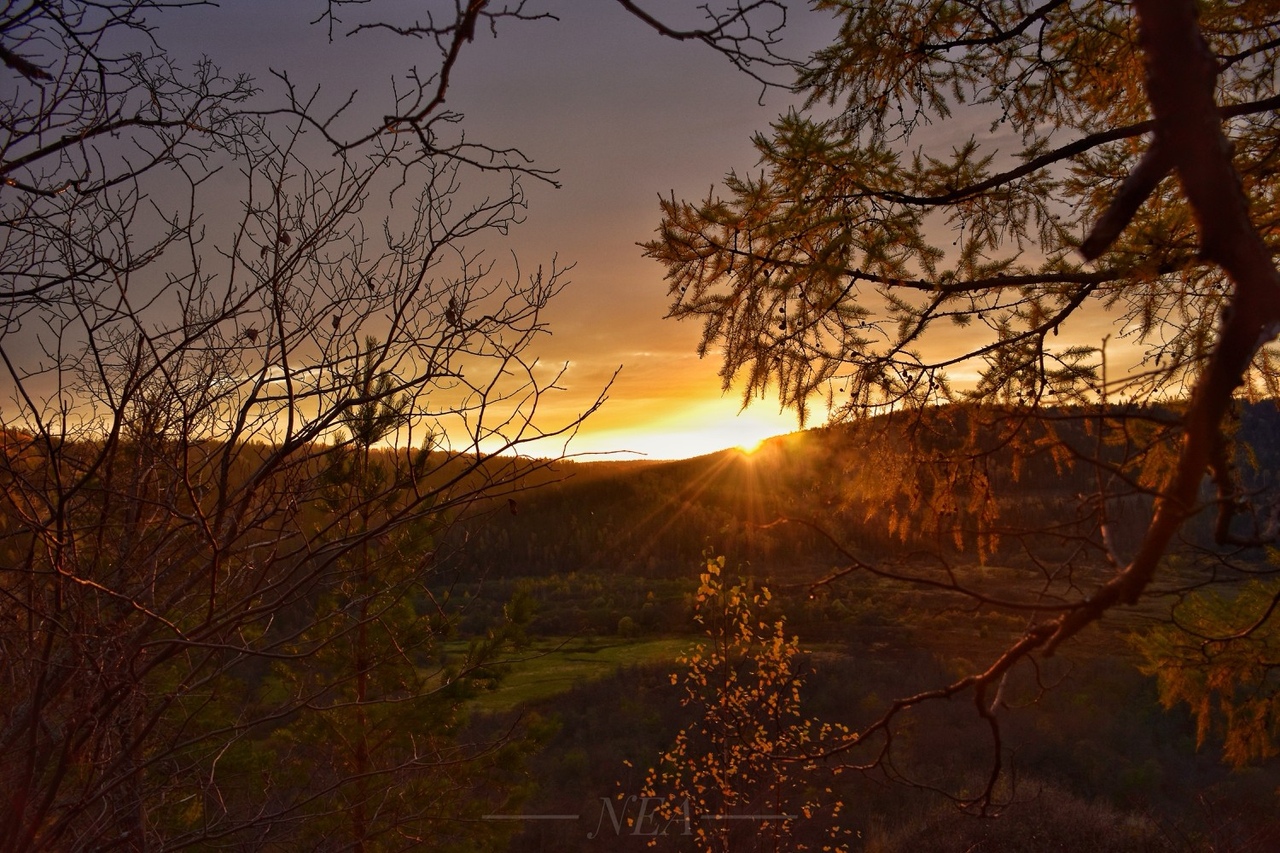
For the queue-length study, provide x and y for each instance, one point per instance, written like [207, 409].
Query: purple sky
[624, 115]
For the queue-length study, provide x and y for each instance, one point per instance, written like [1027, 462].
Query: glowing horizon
[693, 427]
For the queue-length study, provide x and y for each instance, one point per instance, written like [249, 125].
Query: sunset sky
[625, 116]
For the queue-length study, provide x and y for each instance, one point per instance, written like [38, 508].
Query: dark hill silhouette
[856, 481]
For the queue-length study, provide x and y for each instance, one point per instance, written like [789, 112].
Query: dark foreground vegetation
[1093, 759]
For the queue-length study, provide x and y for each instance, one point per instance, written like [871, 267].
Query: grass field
[549, 667]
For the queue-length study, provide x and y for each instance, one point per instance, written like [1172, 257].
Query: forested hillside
[869, 485]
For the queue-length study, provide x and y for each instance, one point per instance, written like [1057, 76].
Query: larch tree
[1114, 192]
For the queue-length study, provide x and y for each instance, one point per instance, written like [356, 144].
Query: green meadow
[548, 667]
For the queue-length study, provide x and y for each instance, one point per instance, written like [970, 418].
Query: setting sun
[692, 429]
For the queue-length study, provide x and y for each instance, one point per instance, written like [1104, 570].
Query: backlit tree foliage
[1221, 657]
[1041, 235]
[738, 779]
